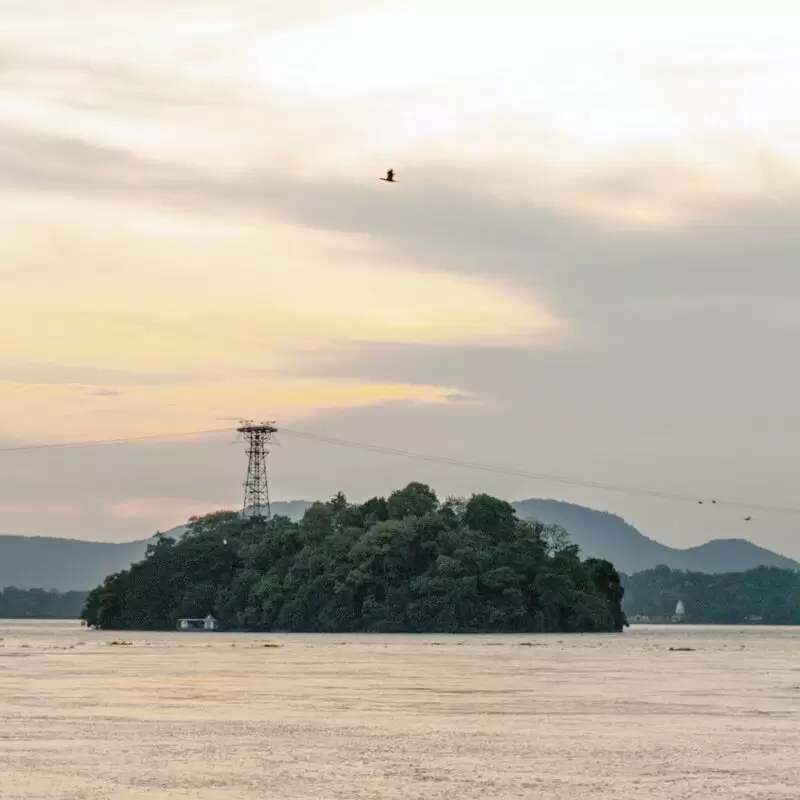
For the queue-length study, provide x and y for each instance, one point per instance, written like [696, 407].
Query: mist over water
[239, 717]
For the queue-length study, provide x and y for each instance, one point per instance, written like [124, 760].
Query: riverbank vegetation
[40, 604]
[767, 595]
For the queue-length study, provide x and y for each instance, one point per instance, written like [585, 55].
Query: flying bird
[747, 519]
[389, 176]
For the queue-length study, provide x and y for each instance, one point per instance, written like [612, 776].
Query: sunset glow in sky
[587, 266]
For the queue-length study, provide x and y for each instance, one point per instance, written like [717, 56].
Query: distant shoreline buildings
[644, 619]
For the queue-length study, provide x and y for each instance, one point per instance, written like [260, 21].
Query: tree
[495, 517]
[416, 500]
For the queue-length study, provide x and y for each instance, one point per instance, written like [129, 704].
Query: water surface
[212, 716]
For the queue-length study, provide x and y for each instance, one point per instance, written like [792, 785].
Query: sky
[587, 266]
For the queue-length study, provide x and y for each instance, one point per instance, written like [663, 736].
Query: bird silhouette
[389, 176]
[747, 519]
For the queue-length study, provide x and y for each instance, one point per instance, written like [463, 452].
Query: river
[655, 713]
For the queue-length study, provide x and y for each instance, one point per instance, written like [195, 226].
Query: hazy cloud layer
[587, 267]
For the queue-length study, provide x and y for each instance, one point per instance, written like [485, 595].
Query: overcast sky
[588, 265]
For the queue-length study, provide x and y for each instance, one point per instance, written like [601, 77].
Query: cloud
[34, 372]
[72, 413]
[590, 277]
[587, 265]
[683, 300]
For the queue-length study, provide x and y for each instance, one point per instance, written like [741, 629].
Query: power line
[444, 460]
[99, 442]
[542, 476]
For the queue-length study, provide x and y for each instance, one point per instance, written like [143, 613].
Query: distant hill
[68, 564]
[34, 562]
[39, 562]
[603, 535]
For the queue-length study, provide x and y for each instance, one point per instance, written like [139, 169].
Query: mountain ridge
[602, 534]
[73, 564]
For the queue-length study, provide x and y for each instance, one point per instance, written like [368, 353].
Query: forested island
[40, 604]
[406, 563]
[765, 595]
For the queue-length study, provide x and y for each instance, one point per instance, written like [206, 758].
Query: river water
[212, 716]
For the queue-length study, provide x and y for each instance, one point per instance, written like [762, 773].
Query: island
[408, 563]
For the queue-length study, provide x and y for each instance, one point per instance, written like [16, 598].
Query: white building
[207, 623]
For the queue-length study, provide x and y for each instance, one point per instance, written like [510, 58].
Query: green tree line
[40, 604]
[727, 598]
[406, 563]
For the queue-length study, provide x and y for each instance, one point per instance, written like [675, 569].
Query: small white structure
[680, 612]
[207, 623]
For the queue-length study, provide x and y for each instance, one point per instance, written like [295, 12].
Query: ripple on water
[654, 714]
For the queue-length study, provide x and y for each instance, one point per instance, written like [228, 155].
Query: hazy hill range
[36, 562]
[605, 535]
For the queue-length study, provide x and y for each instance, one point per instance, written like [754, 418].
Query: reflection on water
[209, 716]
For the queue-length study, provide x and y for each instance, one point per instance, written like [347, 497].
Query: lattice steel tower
[256, 488]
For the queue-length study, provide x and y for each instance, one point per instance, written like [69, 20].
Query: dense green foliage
[40, 604]
[766, 592]
[406, 563]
